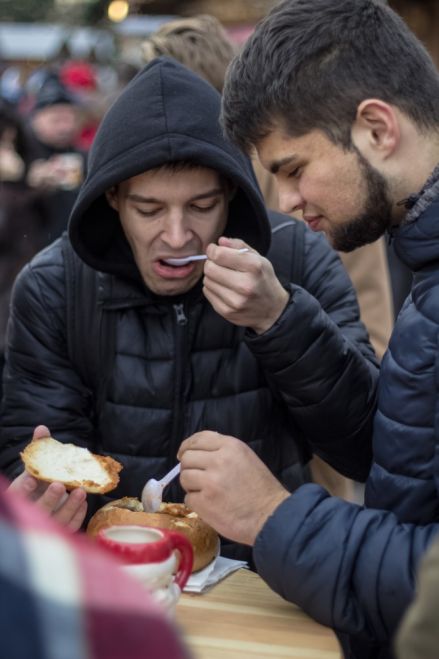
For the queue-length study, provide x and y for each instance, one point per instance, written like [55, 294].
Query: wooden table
[241, 618]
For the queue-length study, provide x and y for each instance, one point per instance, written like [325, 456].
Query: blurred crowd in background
[47, 125]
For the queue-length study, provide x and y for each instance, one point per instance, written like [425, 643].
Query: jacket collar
[119, 293]
[418, 203]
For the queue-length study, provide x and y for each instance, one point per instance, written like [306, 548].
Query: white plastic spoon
[153, 490]
[196, 257]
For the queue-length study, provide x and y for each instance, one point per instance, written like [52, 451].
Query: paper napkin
[212, 573]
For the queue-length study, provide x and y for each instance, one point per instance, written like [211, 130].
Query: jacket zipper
[178, 421]
[180, 314]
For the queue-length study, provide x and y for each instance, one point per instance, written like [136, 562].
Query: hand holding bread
[64, 500]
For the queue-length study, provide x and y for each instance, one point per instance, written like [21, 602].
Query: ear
[376, 131]
[111, 196]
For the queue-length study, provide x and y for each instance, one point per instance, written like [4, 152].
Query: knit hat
[53, 92]
[77, 75]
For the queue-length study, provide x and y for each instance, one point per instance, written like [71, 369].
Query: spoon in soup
[184, 260]
[152, 492]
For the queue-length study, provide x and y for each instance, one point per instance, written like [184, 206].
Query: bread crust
[172, 516]
[30, 457]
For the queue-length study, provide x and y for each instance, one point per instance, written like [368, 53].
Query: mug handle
[184, 547]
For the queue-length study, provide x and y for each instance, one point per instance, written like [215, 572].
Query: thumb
[40, 432]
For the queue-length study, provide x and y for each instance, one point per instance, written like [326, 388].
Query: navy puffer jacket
[178, 367]
[354, 568]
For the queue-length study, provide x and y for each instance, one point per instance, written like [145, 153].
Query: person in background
[81, 78]
[164, 350]
[201, 43]
[22, 223]
[57, 166]
[62, 597]
[351, 133]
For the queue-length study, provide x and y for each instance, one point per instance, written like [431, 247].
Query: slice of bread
[52, 461]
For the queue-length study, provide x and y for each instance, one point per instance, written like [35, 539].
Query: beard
[376, 217]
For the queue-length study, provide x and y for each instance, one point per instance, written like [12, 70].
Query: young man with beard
[164, 350]
[342, 104]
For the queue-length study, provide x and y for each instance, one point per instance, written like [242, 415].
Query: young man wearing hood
[341, 102]
[220, 345]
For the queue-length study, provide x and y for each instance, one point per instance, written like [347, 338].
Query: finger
[231, 288]
[52, 497]
[191, 501]
[231, 275]
[196, 459]
[71, 507]
[206, 440]
[25, 484]
[234, 243]
[40, 432]
[191, 480]
[77, 521]
[231, 258]
[74, 515]
[222, 298]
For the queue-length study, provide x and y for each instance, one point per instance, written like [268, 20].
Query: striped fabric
[62, 598]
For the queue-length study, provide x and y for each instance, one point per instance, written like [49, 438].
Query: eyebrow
[277, 164]
[152, 200]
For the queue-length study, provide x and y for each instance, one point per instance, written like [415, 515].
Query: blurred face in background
[57, 125]
[8, 137]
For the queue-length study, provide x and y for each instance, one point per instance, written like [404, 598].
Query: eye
[295, 173]
[204, 209]
[147, 213]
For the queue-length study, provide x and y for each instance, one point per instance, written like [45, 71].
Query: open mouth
[165, 263]
[171, 271]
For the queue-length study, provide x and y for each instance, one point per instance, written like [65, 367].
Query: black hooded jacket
[177, 366]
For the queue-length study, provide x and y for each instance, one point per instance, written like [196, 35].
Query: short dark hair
[310, 63]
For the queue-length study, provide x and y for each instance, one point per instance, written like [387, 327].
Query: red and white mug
[161, 559]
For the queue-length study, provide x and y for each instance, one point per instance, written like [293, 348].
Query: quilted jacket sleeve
[350, 568]
[36, 336]
[319, 359]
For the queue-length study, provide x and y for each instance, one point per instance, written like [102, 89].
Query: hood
[417, 242]
[165, 114]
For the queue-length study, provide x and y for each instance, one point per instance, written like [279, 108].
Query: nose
[176, 232]
[290, 199]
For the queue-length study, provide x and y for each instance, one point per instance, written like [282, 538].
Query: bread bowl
[173, 516]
